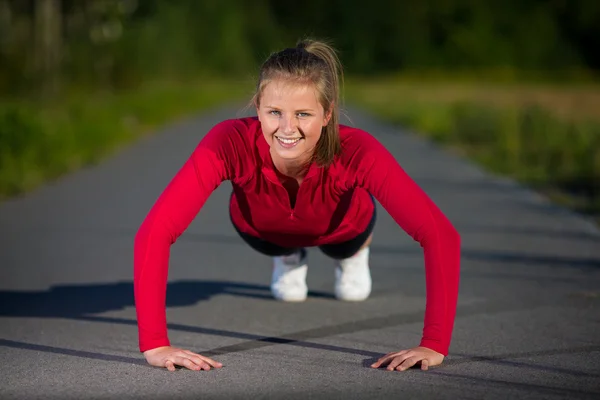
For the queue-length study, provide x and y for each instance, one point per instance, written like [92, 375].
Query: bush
[38, 143]
[527, 142]
[23, 144]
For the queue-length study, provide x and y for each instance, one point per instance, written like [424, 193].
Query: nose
[287, 125]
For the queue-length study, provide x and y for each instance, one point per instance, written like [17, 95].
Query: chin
[288, 154]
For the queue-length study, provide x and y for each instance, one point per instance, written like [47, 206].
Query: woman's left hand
[403, 360]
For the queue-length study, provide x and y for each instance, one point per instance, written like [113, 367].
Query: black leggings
[336, 250]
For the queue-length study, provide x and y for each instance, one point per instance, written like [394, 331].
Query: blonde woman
[300, 179]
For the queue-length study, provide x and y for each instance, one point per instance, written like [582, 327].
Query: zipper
[293, 209]
[292, 212]
[290, 202]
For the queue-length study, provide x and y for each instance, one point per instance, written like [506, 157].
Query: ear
[256, 107]
[328, 115]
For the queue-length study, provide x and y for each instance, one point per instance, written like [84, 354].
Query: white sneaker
[353, 277]
[288, 282]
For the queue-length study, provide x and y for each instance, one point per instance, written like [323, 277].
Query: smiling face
[292, 119]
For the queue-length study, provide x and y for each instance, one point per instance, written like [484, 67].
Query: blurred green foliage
[557, 155]
[78, 78]
[41, 143]
[120, 43]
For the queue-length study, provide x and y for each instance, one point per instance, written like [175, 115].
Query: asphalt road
[528, 323]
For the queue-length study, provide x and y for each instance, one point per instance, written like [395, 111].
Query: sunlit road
[528, 323]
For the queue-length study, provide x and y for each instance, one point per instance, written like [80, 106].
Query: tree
[48, 44]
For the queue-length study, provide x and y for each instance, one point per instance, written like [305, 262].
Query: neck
[295, 169]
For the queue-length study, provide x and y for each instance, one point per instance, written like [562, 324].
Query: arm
[419, 217]
[170, 216]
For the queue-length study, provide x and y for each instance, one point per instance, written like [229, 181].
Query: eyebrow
[300, 110]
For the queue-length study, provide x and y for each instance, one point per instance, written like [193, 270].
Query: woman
[300, 179]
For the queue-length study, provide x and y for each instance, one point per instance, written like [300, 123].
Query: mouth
[288, 143]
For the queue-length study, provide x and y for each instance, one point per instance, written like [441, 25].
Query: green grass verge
[529, 142]
[41, 142]
[532, 141]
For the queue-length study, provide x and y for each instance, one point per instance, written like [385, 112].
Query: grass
[546, 136]
[42, 141]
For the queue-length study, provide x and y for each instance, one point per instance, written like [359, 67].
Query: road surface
[528, 323]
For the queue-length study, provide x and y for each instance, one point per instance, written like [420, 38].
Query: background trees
[45, 44]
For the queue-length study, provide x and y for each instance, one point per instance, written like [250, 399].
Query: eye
[275, 112]
[303, 114]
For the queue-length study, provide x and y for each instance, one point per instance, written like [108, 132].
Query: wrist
[435, 346]
[154, 350]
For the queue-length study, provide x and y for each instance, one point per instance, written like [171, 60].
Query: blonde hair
[310, 62]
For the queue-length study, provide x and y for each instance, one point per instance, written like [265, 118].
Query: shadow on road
[528, 260]
[74, 353]
[524, 231]
[66, 301]
[80, 302]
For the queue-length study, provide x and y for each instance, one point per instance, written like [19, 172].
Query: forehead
[289, 91]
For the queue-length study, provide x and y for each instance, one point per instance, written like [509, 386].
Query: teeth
[288, 141]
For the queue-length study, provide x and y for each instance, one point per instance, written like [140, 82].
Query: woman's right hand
[169, 357]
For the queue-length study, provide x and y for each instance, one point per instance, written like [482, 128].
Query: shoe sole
[352, 299]
[290, 299]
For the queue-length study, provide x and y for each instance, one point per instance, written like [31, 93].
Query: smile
[288, 142]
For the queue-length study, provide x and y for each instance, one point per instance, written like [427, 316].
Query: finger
[212, 362]
[425, 365]
[398, 360]
[169, 365]
[189, 364]
[387, 358]
[202, 360]
[407, 363]
[201, 363]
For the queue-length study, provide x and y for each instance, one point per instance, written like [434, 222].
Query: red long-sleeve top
[332, 205]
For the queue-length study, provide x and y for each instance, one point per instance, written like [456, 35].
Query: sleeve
[169, 217]
[376, 170]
